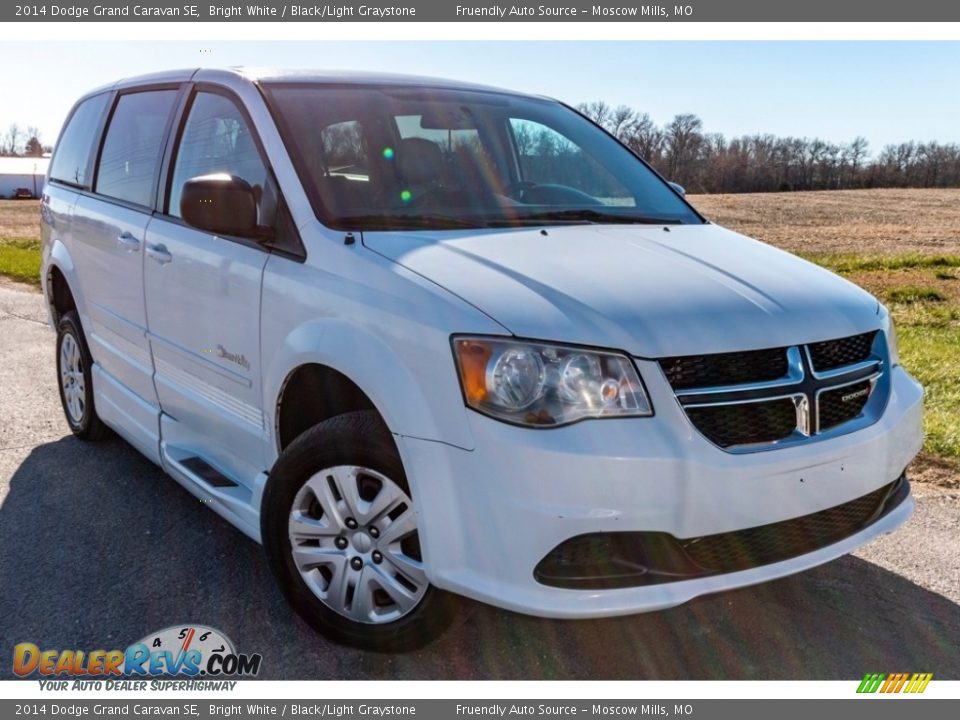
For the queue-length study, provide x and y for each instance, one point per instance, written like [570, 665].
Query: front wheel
[339, 528]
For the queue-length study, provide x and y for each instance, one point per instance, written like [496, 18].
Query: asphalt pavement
[98, 548]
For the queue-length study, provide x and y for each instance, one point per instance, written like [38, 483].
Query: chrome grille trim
[794, 375]
[804, 386]
[842, 370]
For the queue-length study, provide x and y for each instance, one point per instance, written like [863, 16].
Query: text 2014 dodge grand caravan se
[422, 338]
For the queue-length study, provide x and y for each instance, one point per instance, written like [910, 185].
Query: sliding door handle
[159, 253]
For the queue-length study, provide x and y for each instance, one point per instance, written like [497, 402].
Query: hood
[646, 290]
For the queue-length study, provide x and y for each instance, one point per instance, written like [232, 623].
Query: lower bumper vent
[632, 559]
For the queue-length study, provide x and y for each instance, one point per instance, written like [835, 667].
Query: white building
[22, 172]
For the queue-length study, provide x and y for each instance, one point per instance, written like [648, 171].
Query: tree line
[705, 162]
[22, 142]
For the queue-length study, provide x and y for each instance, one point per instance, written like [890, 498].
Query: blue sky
[885, 91]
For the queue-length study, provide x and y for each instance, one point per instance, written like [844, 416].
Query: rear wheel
[76, 381]
[339, 527]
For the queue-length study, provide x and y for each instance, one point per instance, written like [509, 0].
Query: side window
[549, 158]
[133, 146]
[343, 168]
[72, 154]
[343, 150]
[216, 139]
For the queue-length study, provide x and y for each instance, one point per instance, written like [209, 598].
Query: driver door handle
[126, 241]
[159, 252]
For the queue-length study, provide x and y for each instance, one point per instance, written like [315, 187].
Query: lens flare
[406, 196]
[388, 153]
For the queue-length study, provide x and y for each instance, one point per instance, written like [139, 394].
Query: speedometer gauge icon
[176, 641]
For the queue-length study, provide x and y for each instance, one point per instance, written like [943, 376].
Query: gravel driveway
[98, 547]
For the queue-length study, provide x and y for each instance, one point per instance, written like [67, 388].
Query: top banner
[452, 11]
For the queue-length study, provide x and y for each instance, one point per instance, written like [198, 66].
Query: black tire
[86, 425]
[360, 439]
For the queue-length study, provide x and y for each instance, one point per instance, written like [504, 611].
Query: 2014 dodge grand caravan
[422, 338]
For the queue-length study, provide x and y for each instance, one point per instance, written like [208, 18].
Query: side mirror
[680, 189]
[220, 203]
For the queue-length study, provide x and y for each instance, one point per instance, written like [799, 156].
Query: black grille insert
[842, 404]
[745, 423]
[845, 351]
[699, 371]
[631, 559]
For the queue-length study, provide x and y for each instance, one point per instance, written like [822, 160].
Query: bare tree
[683, 135]
[33, 147]
[858, 153]
[645, 139]
[12, 140]
[598, 111]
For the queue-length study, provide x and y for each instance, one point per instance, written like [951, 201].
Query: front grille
[843, 404]
[631, 559]
[845, 351]
[767, 544]
[746, 423]
[744, 401]
[698, 371]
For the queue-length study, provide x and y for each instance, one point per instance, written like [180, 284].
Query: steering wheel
[516, 190]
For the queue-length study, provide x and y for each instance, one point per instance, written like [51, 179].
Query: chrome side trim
[182, 380]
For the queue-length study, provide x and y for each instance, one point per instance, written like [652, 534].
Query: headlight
[545, 385]
[890, 331]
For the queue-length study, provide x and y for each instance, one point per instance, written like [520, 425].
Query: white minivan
[422, 339]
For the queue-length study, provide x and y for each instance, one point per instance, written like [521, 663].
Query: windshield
[403, 158]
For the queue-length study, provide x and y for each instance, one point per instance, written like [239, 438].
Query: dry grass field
[861, 222]
[901, 245]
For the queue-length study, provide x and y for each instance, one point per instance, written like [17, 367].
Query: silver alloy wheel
[353, 535]
[71, 378]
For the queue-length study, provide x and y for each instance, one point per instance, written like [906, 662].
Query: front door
[203, 304]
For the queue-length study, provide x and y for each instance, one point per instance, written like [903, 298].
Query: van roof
[275, 75]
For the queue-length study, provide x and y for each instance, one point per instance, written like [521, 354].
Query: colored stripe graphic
[918, 683]
[894, 683]
[870, 683]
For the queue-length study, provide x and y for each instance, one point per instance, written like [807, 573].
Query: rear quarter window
[71, 158]
[133, 146]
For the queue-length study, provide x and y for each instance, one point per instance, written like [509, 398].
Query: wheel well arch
[312, 393]
[60, 297]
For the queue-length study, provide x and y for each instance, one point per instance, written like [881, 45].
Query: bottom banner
[450, 709]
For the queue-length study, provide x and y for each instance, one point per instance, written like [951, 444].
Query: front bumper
[490, 515]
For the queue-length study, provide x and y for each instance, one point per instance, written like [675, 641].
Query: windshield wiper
[404, 222]
[397, 221]
[597, 216]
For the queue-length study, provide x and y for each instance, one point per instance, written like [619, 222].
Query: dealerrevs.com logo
[188, 650]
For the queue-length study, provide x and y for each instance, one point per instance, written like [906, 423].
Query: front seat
[420, 166]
